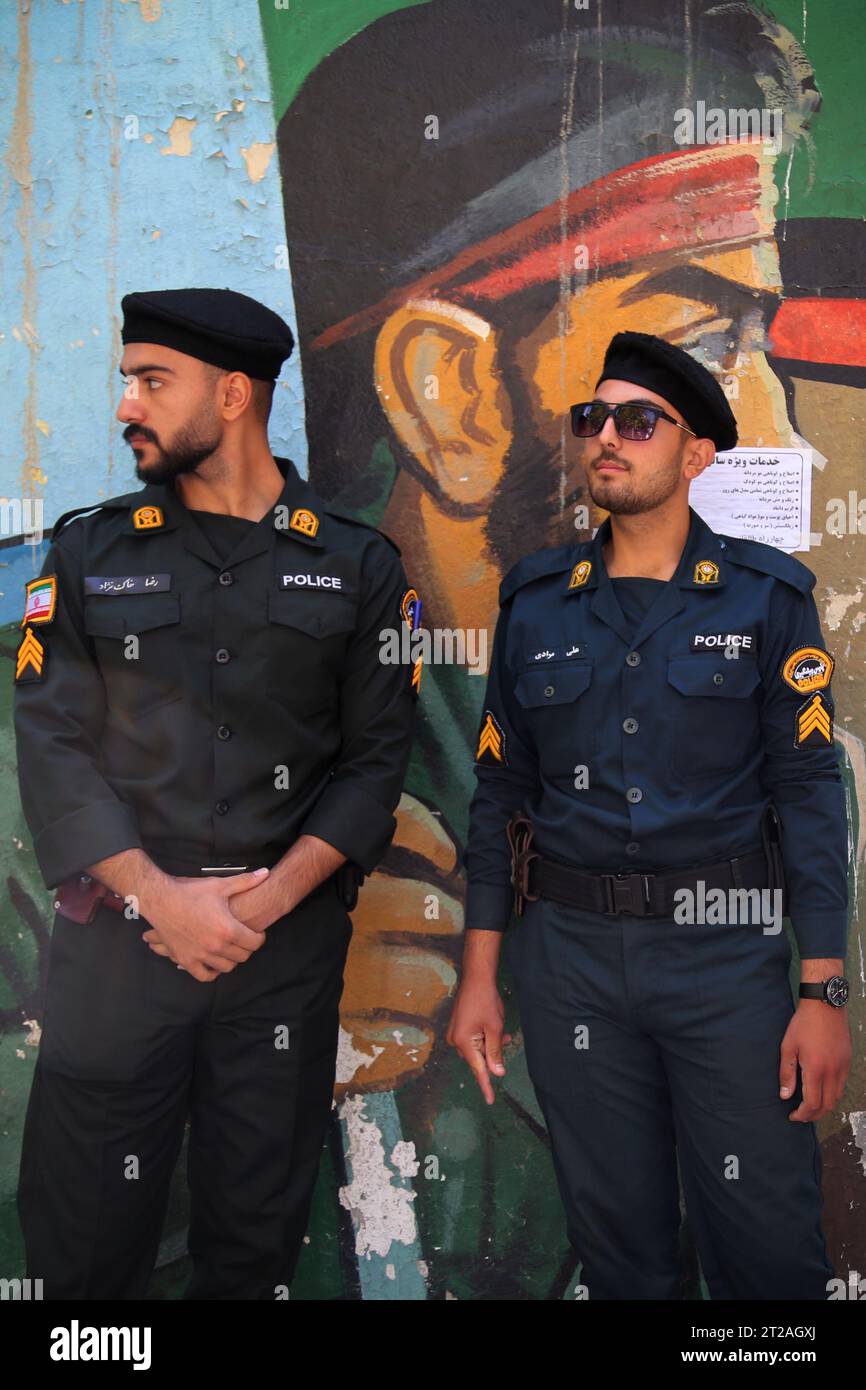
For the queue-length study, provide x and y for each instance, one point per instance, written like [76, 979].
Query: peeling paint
[381, 1210]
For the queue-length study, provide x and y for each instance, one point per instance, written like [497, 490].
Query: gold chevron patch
[814, 724]
[30, 659]
[416, 677]
[491, 742]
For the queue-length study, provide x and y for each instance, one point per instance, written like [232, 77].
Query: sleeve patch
[491, 741]
[30, 660]
[814, 724]
[807, 669]
[41, 602]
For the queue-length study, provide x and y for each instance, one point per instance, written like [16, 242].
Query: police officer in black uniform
[210, 752]
[655, 771]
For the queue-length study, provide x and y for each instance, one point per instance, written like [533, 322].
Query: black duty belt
[632, 891]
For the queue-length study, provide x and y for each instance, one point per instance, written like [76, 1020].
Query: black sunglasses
[632, 421]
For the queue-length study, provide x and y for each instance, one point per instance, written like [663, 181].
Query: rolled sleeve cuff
[822, 935]
[95, 832]
[488, 906]
[353, 822]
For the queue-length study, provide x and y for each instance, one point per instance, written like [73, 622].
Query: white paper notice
[762, 494]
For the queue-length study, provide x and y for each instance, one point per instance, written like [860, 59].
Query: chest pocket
[715, 713]
[142, 674]
[556, 698]
[307, 637]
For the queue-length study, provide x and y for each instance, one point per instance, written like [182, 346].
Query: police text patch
[329, 582]
[126, 583]
[807, 669]
[721, 641]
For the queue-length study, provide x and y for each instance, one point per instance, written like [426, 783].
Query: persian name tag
[126, 583]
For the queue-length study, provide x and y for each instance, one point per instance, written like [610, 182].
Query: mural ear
[436, 378]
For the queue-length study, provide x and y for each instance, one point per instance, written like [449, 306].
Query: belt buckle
[627, 891]
[223, 868]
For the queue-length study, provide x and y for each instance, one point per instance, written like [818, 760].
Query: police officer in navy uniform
[656, 784]
[210, 753]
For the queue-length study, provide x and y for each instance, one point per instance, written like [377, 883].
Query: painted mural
[467, 200]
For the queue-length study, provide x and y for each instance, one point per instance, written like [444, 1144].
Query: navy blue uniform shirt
[659, 746]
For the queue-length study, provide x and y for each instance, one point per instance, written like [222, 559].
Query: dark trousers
[132, 1047]
[649, 1042]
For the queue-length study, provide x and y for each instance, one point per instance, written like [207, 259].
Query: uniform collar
[701, 567]
[296, 499]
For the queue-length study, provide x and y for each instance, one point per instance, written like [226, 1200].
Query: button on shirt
[645, 725]
[198, 718]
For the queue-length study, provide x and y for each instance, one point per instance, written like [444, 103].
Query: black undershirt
[635, 595]
[224, 533]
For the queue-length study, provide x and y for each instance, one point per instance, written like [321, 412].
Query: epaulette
[540, 563]
[112, 502]
[754, 555]
[356, 521]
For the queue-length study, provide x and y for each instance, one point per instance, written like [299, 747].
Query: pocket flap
[112, 617]
[713, 676]
[553, 685]
[320, 615]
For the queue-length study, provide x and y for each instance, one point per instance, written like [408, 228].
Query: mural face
[476, 198]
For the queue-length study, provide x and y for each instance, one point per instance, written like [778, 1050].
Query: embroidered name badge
[330, 582]
[148, 518]
[719, 641]
[41, 602]
[126, 583]
[814, 724]
[491, 741]
[556, 653]
[304, 521]
[706, 572]
[580, 574]
[30, 659]
[807, 669]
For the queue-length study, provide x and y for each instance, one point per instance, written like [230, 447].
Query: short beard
[191, 446]
[621, 500]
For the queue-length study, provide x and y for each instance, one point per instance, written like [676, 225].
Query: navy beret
[680, 378]
[222, 327]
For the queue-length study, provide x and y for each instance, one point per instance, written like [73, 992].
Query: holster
[519, 833]
[80, 897]
[771, 837]
[349, 879]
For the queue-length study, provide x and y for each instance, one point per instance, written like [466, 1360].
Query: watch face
[837, 991]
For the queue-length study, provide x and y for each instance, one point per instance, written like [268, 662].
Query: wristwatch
[833, 991]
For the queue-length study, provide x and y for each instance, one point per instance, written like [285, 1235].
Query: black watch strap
[833, 991]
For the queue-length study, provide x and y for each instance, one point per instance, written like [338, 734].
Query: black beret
[672, 373]
[222, 327]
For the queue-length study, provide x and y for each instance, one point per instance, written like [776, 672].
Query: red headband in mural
[708, 196]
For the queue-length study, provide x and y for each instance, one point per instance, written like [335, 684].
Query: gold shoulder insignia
[580, 574]
[148, 518]
[706, 572]
[304, 521]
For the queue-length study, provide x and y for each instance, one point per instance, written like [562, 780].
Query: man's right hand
[475, 1030]
[192, 923]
